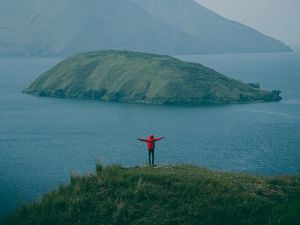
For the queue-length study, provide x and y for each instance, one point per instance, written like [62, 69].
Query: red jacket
[150, 141]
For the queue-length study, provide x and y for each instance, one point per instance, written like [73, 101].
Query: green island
[181, 194]
[134, 77]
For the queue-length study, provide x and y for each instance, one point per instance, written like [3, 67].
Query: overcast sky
[277, 18]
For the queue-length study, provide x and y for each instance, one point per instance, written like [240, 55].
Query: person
[151, 146]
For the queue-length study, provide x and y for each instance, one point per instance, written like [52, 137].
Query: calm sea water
[44, 140]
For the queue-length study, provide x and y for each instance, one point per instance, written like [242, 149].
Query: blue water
[44, 140]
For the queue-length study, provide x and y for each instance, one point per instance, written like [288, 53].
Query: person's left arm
[158, 139]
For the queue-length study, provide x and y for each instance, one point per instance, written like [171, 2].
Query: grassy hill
[143, 78]
[182, 194]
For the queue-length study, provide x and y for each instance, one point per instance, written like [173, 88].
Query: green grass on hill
[180, 194]
[143, 78]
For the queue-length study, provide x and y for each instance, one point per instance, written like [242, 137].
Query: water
[44, 140]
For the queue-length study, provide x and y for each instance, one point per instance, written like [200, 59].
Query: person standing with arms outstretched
[151, 146]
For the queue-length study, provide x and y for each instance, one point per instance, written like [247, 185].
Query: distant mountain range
[64, 27]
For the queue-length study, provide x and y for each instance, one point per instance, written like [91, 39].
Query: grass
[182, 194]
[143, 78]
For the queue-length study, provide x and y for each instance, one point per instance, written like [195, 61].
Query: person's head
[151, 136]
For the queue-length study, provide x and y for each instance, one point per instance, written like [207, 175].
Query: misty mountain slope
[12, 14]
[219, 33]
[64, 27]
[71, 26]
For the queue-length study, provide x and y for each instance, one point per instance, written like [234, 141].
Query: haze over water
[43, 140]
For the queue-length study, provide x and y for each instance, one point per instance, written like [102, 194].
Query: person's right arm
[141, 139]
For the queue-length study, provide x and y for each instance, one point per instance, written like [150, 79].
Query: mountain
[160, 195]
[216, 32]
[143, 78]
[64, 27]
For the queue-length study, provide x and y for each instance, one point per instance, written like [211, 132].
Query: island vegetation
[143, 78]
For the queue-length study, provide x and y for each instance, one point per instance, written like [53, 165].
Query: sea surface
[44, 140]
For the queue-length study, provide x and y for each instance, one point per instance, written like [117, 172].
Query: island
[165, 194]
[135, 77]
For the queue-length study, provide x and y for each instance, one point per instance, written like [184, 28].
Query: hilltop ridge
[182, 194]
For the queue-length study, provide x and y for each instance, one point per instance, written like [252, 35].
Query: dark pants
[151, 153]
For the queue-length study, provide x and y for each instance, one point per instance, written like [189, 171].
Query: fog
[277, 18]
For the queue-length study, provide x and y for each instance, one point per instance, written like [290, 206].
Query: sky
[277, 18]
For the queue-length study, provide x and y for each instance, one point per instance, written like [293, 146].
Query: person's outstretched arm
[141, 139]
[158, 139]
